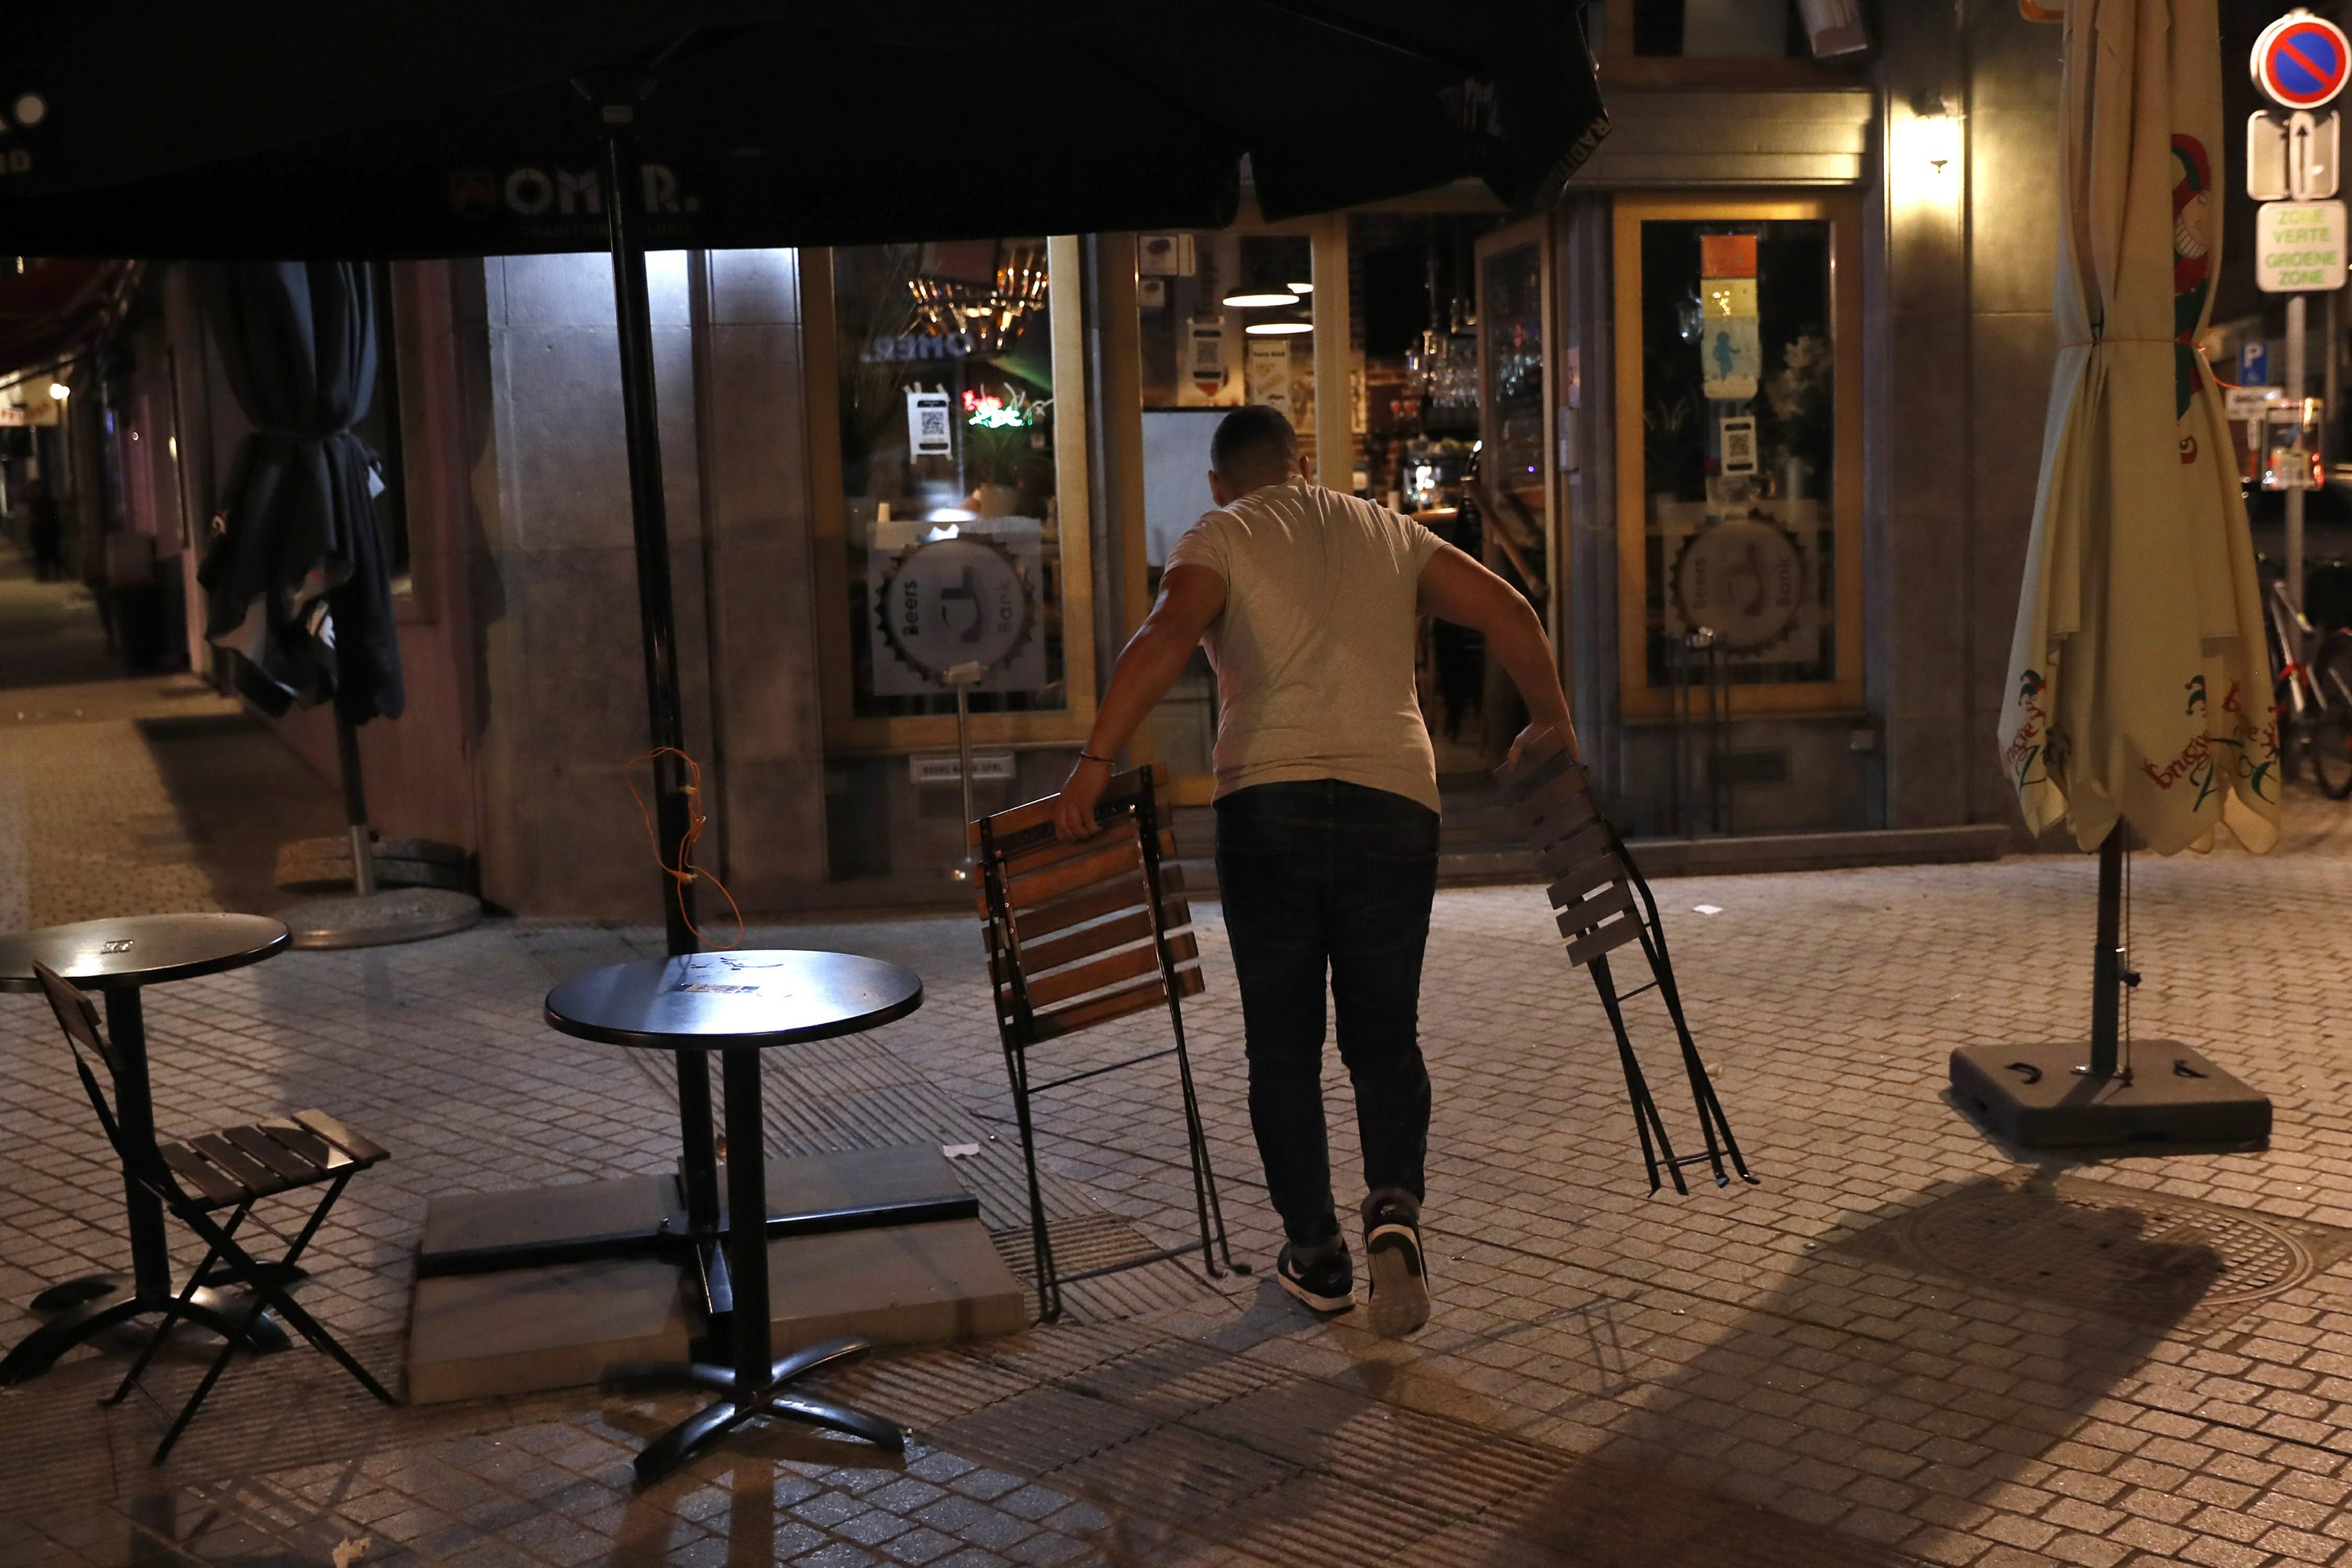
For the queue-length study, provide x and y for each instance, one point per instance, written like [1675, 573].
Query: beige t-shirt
[1314, 648]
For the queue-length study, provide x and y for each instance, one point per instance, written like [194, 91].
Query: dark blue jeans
[1325, 877]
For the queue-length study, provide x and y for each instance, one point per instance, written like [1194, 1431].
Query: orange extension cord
[686, 870]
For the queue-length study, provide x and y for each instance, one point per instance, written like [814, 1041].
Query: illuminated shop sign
[1016, 409]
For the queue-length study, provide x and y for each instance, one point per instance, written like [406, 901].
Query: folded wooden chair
[1081, 935]
[232, 1169]
[1604, 904]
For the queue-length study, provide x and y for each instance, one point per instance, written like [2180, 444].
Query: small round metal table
[740, 1003]
[117, 958]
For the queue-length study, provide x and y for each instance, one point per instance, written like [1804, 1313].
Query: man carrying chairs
[1327, 817]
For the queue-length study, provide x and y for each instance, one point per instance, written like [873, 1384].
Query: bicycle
[2313, 685]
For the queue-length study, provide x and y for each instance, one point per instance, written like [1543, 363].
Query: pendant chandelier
[985, 318]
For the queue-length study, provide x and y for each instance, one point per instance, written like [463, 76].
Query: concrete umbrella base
[382, 918]
[2044, 1097]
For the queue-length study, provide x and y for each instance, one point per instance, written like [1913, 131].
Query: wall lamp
[1936, 131]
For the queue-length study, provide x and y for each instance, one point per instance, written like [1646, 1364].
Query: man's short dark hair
[1253, 442]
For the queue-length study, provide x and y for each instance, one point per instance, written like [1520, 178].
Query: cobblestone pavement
[1905, 1345]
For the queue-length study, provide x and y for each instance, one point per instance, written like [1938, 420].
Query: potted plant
[1674, 453]
[1799, 405]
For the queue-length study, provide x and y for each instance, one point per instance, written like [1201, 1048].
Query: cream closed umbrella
[2139, 686]
[2139, 696]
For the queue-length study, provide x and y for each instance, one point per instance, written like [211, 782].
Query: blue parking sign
[2253, 363]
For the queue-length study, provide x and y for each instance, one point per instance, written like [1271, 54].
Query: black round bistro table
[740, 1003]
[117, 958]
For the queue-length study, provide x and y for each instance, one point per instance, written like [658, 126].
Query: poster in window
[942, 597]
[928, 431]
[1757, 580]
[1166, 256]
[1739, 445]
[1208, 380]
[1269, 375]
[1731, 355]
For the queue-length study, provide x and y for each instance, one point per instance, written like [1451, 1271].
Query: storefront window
[1416, 287]
[1222, 318]
[1454, 317]
[950, 478]
[1732, 418]
[1511, 323]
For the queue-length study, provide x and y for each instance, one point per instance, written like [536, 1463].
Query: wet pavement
[1907, 1345]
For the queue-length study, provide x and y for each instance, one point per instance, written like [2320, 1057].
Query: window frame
[848, 734]
[1842, 210]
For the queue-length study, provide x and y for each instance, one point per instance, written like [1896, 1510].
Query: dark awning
[769, 123]
[53, 308]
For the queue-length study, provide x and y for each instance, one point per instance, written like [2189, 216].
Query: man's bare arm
[1453, 587]
[1190, 597]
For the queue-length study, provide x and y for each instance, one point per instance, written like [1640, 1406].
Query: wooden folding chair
[232, 1169]
[1603, 904]
[1084, 934]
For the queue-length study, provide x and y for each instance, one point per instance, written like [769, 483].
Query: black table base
[97, 1305]
[737, 1003]
[72, 1293]
[671, 1235]
[756, 1384]
[771, 1397]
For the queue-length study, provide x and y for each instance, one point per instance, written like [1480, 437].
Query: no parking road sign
[2300, 60]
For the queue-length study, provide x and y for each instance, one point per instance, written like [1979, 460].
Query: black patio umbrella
[487, 127]
[435, 128]
[297, 586]
[299, 344]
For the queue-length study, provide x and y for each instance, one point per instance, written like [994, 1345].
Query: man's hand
[1456, 588]
[1074, 809]
[1189, 598]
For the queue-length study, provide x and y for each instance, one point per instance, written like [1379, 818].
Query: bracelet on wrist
[1086, 756]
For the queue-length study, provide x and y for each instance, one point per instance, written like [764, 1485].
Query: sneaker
[1322, 1276]
[1394, 1256]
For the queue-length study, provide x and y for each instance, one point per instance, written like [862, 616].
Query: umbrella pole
[2043, 1095]
[2296, 313]
[2108, 959]
[355, 816]
[656, 614]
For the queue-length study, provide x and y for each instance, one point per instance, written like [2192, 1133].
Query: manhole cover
[2102, 1248]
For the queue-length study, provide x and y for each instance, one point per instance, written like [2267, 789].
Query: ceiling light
[1301, 288]
[1259, 301]
[59, 390]
[1277, 329]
